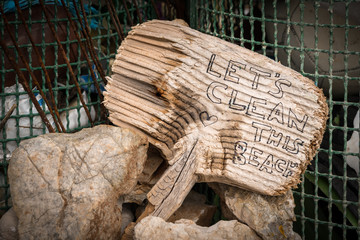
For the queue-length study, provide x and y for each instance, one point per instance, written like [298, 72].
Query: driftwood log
[217, 112]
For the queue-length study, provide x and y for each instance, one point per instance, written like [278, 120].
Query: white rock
[67, 186]
[155, 228]
[271, 217]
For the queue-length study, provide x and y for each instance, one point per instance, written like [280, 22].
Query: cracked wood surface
[256, 123]
[174, 185]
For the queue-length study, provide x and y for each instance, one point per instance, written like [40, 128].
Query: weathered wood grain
[239, 117]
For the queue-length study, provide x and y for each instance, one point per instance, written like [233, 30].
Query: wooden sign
[218, 112]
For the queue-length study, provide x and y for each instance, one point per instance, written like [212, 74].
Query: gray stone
[138, 194]
[194, 208]
[270, 217]
[8, 226]
[67, 186]
[152, 164]
[127, 216]
[155, 228]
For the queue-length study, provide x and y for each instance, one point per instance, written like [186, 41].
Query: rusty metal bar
[23, 59]
[128, 13]
[66, 60]
[83, 50]
[137, 10]
[116, 17]
[7, 116]
[47, 77]
[156, 10]
[27, 87]
[168, 9]
[86, 34]
[112, 15]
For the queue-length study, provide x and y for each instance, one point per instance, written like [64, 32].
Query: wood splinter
[217, 112]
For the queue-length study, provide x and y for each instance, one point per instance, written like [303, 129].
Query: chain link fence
[321, 40]
[54, 57]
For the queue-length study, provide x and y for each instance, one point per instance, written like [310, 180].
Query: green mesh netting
[25, 121]
[321, 40]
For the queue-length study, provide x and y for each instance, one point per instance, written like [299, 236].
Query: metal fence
[319, 39]
[53, 66]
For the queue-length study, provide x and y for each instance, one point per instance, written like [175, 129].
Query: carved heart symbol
[206, 119]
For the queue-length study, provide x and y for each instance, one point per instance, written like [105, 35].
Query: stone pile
[94, 184]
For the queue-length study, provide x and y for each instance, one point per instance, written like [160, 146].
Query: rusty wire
[113, 16]
[87, 36]
[66, 60]
[83, 51]
[23, 59]
[138, 11]
[47, 77]
[128, 13]
[26, 86]
[116, 19]
[84, 34]
[168, 9]
[156, 10]
[7, 116]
